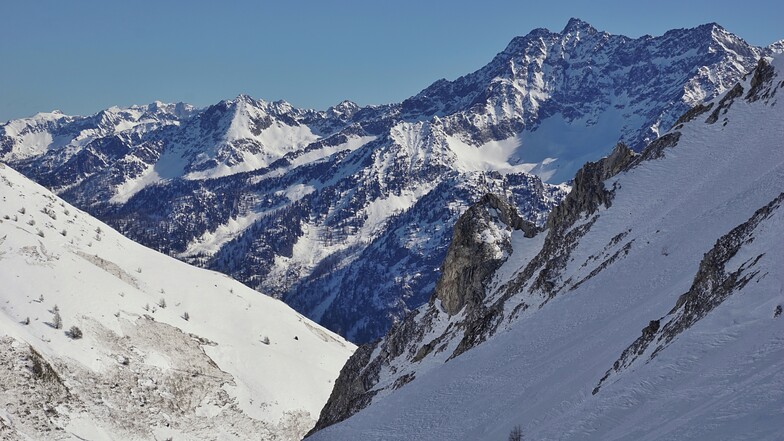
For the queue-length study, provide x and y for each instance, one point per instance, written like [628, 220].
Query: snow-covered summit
[102, 338]
[777, 47]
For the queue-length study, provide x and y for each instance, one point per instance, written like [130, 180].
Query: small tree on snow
[75, 333]
[186, 316]
[516, 434]
[57, 321]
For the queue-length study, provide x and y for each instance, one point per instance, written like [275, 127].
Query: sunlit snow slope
[168, 350]
[654, 316]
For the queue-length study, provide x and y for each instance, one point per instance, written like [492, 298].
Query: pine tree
[516, 434]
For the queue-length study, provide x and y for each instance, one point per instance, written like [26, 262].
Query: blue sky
[81, 56]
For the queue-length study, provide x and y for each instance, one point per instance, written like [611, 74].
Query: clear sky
[81, 56]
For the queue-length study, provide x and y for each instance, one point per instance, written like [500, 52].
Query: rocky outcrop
[359, 379]
[542, 273]
[761, 81]
[352, 390]
[480, 244]
[693, 113]
[712, 285]
[587, 195]
[588, 192]
[655, 150]
[725, 103]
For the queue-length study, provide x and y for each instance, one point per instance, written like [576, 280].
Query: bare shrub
[75, 333]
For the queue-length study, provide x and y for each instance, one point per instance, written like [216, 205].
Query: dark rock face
[725, 103]
[761, 82]
[693, 113]
[352, 392]
[358, 381]
[712, 285]
[471, 258]
[588, 191]
[655, 150]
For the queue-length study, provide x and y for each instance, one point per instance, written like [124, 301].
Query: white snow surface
[33, 142]
[722, 379]
[553, 152]
[54, 255]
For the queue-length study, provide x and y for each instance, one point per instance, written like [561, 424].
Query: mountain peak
[573, 26]
[710, 25]
[281, 107]
[244, 98]
[577, 25]
[46, 116]
[345, 107]
[346, 104]
[713, 30]
[157, 105]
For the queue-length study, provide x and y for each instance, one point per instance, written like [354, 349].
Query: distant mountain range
[347, 214]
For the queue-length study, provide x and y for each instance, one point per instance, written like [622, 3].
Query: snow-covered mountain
[102, 338]
[346, 213]
[649, 308]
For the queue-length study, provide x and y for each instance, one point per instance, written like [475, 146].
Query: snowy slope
[242, 365]
[649, 308]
